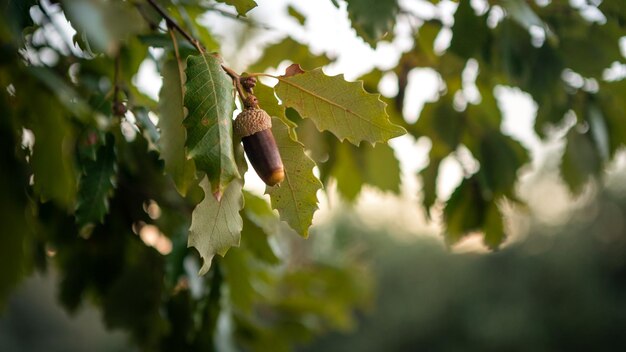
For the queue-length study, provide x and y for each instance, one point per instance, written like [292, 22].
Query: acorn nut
[254, 126]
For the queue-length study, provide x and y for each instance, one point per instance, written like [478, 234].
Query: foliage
[560, 289]
[111, 198]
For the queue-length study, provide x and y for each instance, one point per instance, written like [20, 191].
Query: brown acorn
[254, 126]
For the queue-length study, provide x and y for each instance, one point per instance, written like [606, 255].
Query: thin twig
[176, 53]
[244, 20]
[236, 81]
[171, 23]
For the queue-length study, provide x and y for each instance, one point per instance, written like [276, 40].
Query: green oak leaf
[342, 107]
[468, 210]
[96, 185]
[613, 108]
[346, 172]
[493, 227]
[381, 167]
[173, 134]
[216, 225]
[295, 198]
[52, 160]
[464, 211]
[260, 213]
[500, 158]
[429, 181]
[470, 32]
[273, 55]
[256, 241]
[242, 6]
[580, 160]
[376, 166]
[210, 104]
[372, 19]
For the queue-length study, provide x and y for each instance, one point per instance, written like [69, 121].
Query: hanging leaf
[372, 19]
[210, 104]
[470, 32]
[464, 211]
[429, 181]
[216, 225]
[295, 198]
[96, 185]
[172, 141]
[440, 122]
[355, 166]
[346, 172]
[255, 234]
[493, 227]
[580, 160]
[52, 160]
[382, 168]
[242, 6]
[500, 158]
[341, 107]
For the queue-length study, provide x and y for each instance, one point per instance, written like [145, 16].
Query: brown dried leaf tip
[254, 126]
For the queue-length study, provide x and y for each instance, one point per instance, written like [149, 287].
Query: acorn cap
[251, 121]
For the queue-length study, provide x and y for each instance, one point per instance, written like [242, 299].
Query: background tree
[110, 186]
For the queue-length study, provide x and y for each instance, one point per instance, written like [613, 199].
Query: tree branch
[172, 24]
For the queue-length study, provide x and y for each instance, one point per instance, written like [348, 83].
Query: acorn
[254, 126]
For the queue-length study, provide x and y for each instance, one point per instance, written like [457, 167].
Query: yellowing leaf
[336, 105]
[216, 226]
[295, 198]
[172, 141]
[210, 104]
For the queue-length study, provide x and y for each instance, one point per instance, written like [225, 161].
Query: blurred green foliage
[559, 289]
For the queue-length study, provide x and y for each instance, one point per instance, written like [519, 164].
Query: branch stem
[171, 23]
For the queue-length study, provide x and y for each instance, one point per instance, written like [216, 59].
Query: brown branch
[118, 107]
[171, 23]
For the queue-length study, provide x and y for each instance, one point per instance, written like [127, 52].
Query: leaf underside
[216, 225]
[173, 135]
